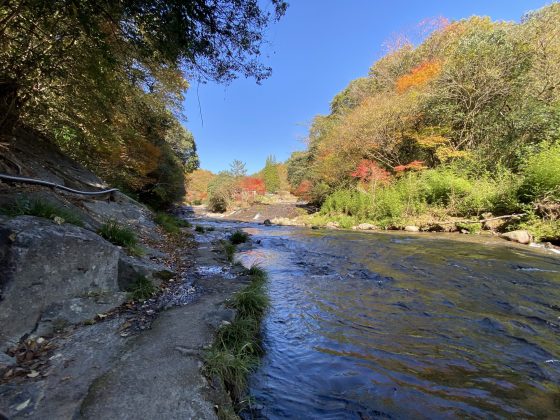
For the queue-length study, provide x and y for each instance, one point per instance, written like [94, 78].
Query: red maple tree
[368, 171]
[250, 184]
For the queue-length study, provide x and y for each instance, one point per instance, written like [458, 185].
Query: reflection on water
[399, 326]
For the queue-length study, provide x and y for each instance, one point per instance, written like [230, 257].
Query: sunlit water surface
[405, 326]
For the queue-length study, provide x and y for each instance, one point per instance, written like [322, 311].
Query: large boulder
[412, 229]
[44, 264]
[521, 236]
[365, 226]
[131, 268]
[126, 211]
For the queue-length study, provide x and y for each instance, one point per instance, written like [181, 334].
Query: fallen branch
[508, 216]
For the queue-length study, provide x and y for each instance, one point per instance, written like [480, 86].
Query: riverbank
[301, 215]
[141, 359]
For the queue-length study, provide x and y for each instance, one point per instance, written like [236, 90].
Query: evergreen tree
[270, 175]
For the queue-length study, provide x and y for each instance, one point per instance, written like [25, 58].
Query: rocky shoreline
[138, 360]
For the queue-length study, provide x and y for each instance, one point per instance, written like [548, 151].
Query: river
[375, 325]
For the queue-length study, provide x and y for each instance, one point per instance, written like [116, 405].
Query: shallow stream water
[369, 326]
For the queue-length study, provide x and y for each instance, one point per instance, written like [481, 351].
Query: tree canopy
[106, 80]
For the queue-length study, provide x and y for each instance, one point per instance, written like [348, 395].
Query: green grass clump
[170, 223]
[119, 235]
[472, 228]
[40, 208]
[141, 289]
[229, 250]
[238, 237]
[199, 229]
[237, 348]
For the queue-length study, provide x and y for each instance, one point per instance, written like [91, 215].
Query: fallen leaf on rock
[33, 374]
[23, 405]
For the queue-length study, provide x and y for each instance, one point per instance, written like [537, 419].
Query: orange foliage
[250, 184]
[303, 189]
[415, 165]
[419, 75]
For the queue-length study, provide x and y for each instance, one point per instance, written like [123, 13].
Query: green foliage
[220, 192]
[238, 237]
[199, 229]
[229, 250]
[416, 193]
[443, 186]
[119, 235]
[541, 229]
[171, 224]
[41, 208]
[471, 228]
[271, 175]
[105, 80]
[236, 349]
[542, 175]
[141, 289]
[472, 105]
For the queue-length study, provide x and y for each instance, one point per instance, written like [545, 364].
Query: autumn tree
[106, 80]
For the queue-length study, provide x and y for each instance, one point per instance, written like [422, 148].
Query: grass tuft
[120, 235]
[141, 289]
[229, 250]
[238, 237]
[237, 348]
[40, 208]
[171, 224]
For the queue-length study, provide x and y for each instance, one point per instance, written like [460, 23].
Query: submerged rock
[521, 236]
[44, 263]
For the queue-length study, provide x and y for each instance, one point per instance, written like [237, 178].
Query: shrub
[220, 192]
[119, 235]
[442, 186]
[238, 237]
[542, 175]
[170, 223]
[40, 208]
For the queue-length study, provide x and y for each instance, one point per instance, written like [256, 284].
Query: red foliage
[368, 170]
[415, 165]
[250, 184]
[303, 189]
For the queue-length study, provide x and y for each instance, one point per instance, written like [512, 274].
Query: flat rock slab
[158, 377]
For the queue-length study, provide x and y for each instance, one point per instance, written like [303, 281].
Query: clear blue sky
[315, 50]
